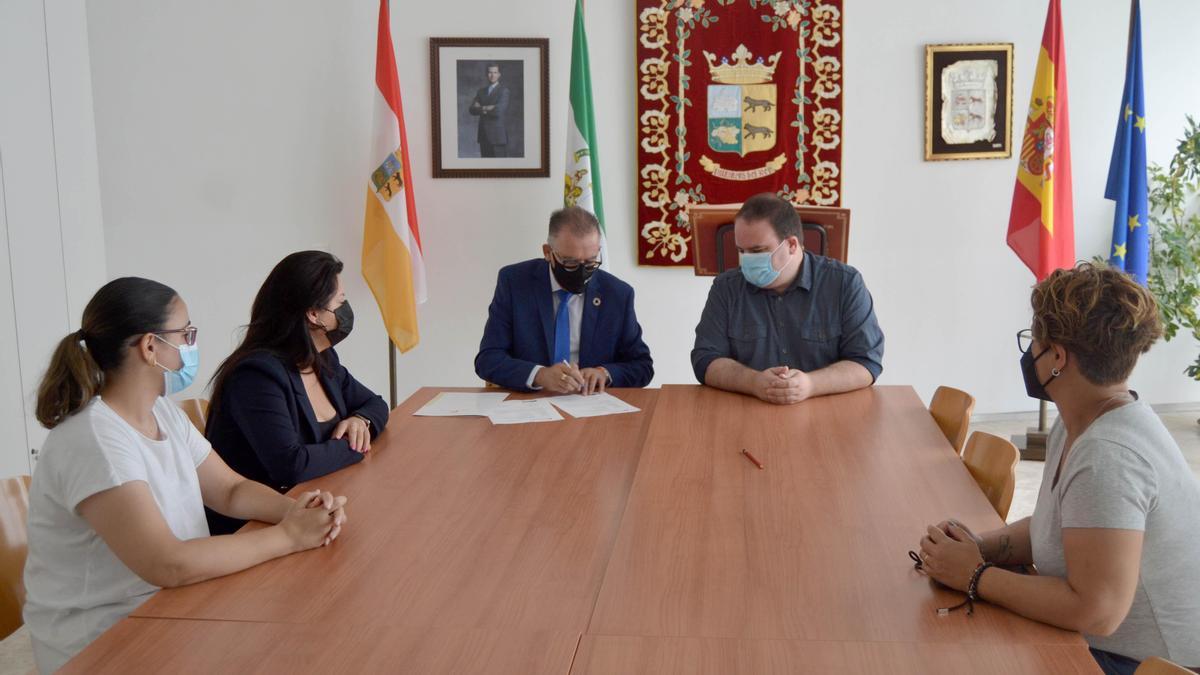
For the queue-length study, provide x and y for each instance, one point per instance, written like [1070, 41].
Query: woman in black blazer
[284, 409]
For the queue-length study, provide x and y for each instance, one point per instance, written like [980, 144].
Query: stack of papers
[500, 411]
[594, 405]
[520, 412]
[456, 404]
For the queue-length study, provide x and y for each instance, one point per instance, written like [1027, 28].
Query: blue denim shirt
[825, 316]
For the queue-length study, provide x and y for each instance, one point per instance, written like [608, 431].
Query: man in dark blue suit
[491, 107]
[561, 324]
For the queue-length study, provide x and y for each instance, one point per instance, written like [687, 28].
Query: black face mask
[345, 324]
[1033, 385]
[572, 281]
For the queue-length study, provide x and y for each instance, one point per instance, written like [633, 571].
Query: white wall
[49, 193]
[232, 133]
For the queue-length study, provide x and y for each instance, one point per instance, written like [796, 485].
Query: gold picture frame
[968, 101]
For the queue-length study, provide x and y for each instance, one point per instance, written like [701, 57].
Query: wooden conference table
[640, 542]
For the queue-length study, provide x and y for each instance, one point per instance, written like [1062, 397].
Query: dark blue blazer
[492, 129]
[520, 329]
[265, 429]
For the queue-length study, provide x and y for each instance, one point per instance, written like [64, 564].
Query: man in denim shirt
[787, 325]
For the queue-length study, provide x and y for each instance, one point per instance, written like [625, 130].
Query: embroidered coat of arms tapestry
[734, 97]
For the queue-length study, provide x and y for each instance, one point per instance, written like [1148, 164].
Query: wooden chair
[992, 461]
[951, 409]
[826, 231]
[197, 411]
[1157, 666]
[14, 546]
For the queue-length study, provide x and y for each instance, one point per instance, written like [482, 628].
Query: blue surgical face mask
[178, 380]
[757, 267]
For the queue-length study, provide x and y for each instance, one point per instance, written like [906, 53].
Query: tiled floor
[16, 655]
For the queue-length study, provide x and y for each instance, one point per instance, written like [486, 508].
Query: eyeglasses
[1024, 340]
[573, 264]
[189, 334]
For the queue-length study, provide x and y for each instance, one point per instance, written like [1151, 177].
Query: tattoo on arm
[1006, 550]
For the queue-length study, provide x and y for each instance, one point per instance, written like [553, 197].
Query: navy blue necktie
[562, 329]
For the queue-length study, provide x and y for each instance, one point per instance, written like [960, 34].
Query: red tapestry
[735, 97]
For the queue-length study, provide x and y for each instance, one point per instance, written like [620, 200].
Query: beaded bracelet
[972, 586]
[972, 592]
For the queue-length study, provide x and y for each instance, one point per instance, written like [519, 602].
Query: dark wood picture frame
[541, 98]
[939, 57]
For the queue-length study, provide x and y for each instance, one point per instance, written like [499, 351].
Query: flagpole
[1041, 224]
[391, 374]
[1032, 443]
[392, 262]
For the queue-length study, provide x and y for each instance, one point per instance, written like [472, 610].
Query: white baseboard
[1052, 413]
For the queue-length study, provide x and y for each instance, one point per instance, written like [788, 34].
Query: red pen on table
[753, 459]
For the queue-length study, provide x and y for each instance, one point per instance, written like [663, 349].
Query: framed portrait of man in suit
[490, 107]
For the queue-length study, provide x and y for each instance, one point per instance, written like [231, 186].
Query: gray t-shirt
[1126, 472]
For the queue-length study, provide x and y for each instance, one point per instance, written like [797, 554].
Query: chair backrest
[197, 411]
[1157, 666]
[14, 546]
[992, 461]
[815, 238]
[951, 409]
[826, 232]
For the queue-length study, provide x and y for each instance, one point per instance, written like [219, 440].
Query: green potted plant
[1174, 275]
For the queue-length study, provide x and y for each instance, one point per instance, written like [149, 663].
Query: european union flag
[1127, 169]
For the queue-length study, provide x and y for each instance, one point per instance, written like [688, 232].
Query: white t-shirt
[76, 586]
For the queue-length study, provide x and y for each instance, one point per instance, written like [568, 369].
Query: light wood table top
[453, 522]
[185, 646]
[631, 543]
[610, 655]
[814, 547]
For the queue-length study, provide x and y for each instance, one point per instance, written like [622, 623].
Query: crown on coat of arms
[742, 70]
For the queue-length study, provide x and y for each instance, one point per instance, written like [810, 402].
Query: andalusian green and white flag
[583, 166]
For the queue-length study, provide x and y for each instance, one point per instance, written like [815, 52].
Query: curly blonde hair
[1098, 314]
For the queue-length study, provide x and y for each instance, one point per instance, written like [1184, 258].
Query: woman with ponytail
[117, 502]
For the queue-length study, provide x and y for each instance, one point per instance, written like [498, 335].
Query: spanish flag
[1041, 225]
[391, 253]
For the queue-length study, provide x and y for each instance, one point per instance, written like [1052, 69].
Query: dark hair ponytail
[123, 308]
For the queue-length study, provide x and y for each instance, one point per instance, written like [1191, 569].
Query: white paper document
[594, 405]
[520, 412]
[455, 404]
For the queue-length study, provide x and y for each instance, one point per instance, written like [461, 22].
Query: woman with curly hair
[1115, 534]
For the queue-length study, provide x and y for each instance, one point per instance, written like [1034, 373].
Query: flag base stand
[391, 374]
[1032, 443]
